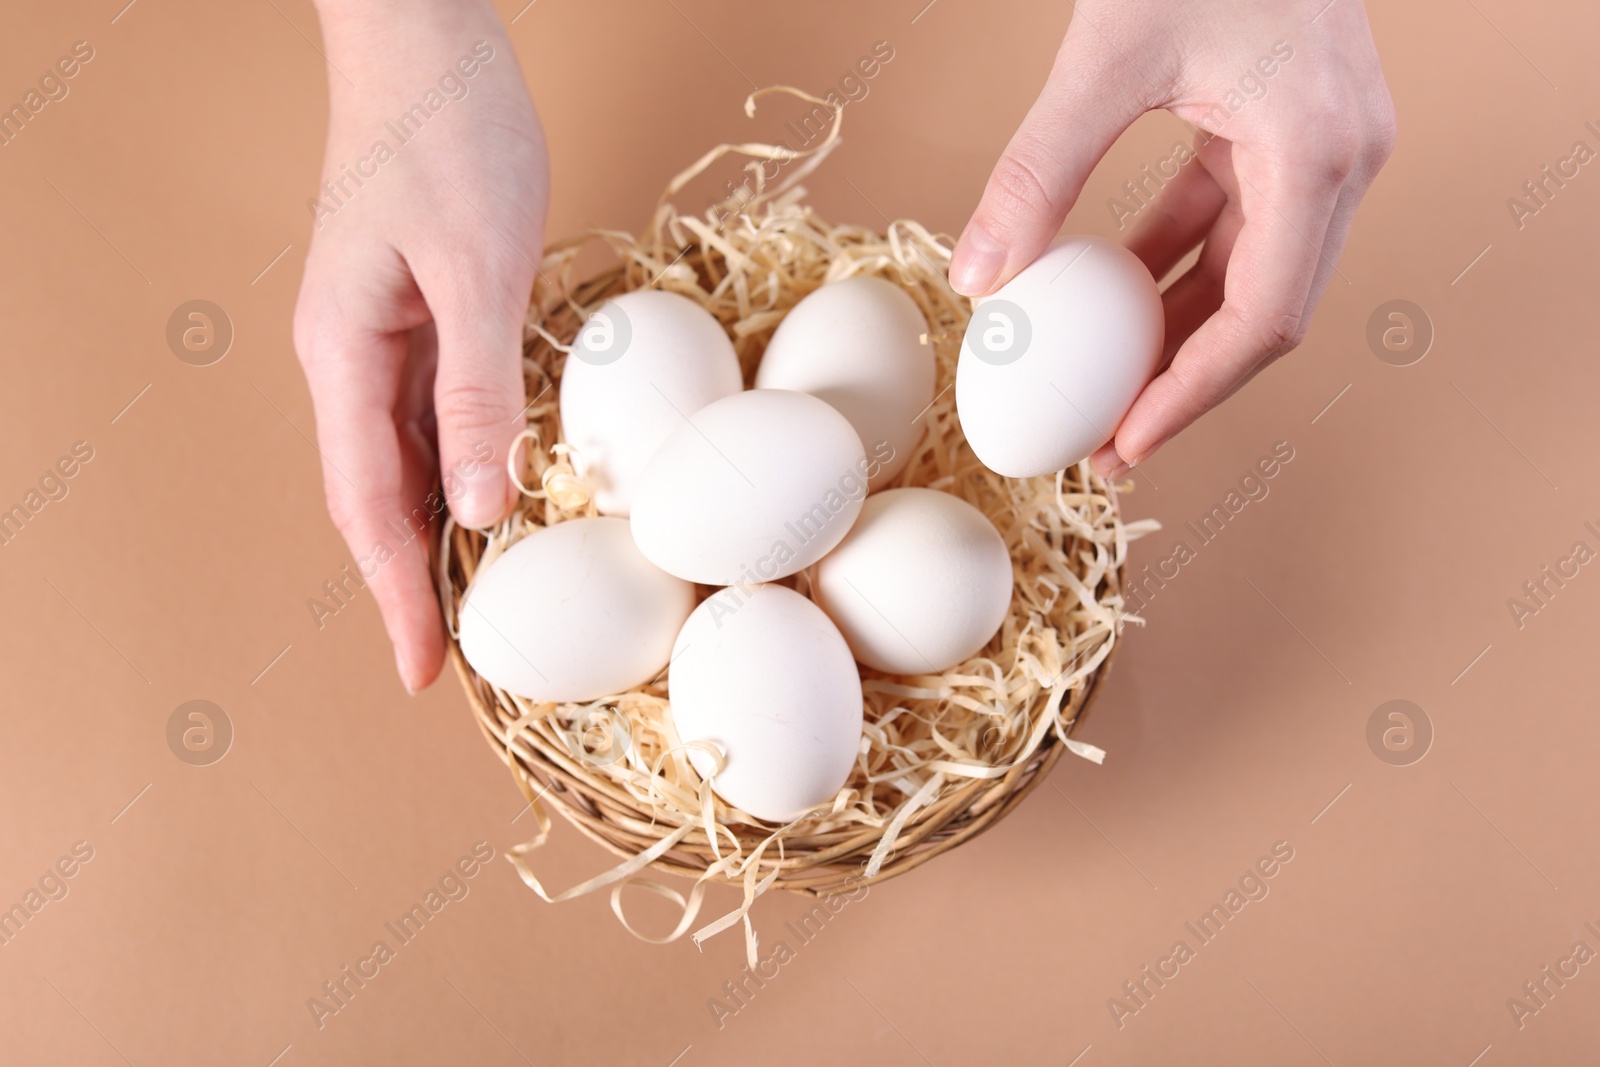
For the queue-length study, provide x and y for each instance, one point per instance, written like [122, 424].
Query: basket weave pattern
[945, 756]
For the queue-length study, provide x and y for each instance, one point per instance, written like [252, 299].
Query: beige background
[1378, 568]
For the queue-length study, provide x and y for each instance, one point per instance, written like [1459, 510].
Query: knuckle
[351, 510]
[318, 342]
[1382, 135]
[315, 312]
[1338, 152]
[307, 343]
[471, 405]
[1275, 334]
[1198, 389]
[482, 273]
[1328, 142]
[342, 509]
[1017, 187]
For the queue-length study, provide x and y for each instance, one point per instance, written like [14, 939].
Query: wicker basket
[982, 735]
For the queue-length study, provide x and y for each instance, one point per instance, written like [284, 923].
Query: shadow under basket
[943, 757]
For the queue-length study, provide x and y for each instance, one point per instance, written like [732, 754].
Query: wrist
[382, 10]
[353, 28]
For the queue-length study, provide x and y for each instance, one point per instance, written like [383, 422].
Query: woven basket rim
[543, 767]
[558, 785]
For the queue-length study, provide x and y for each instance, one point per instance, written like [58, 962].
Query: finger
[478, 390]
[1180, 217]
[1196, 296]
[1186, 303]
[1377, 143]
[1106, 462]
[376, 478]
[1374, 153]
[1338, 229]
[1287, 205]
[1092, 95]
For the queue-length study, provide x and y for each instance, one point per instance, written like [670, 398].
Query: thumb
[1093, 93]
[477, 397]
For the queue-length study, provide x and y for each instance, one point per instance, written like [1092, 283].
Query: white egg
[573, 612]
[921, 583]
[861, 345]
[643, 362]
[761, 673]
[751, 488]
[1055, 358]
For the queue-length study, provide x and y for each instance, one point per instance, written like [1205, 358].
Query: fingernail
[480, 500]
[403, 666]
[1147, 453]
[1106, 463]
[977, 263]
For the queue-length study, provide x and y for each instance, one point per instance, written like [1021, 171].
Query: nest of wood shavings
[944, 756]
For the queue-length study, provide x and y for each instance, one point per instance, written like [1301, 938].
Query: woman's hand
[409, 322]
[1295, 120]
